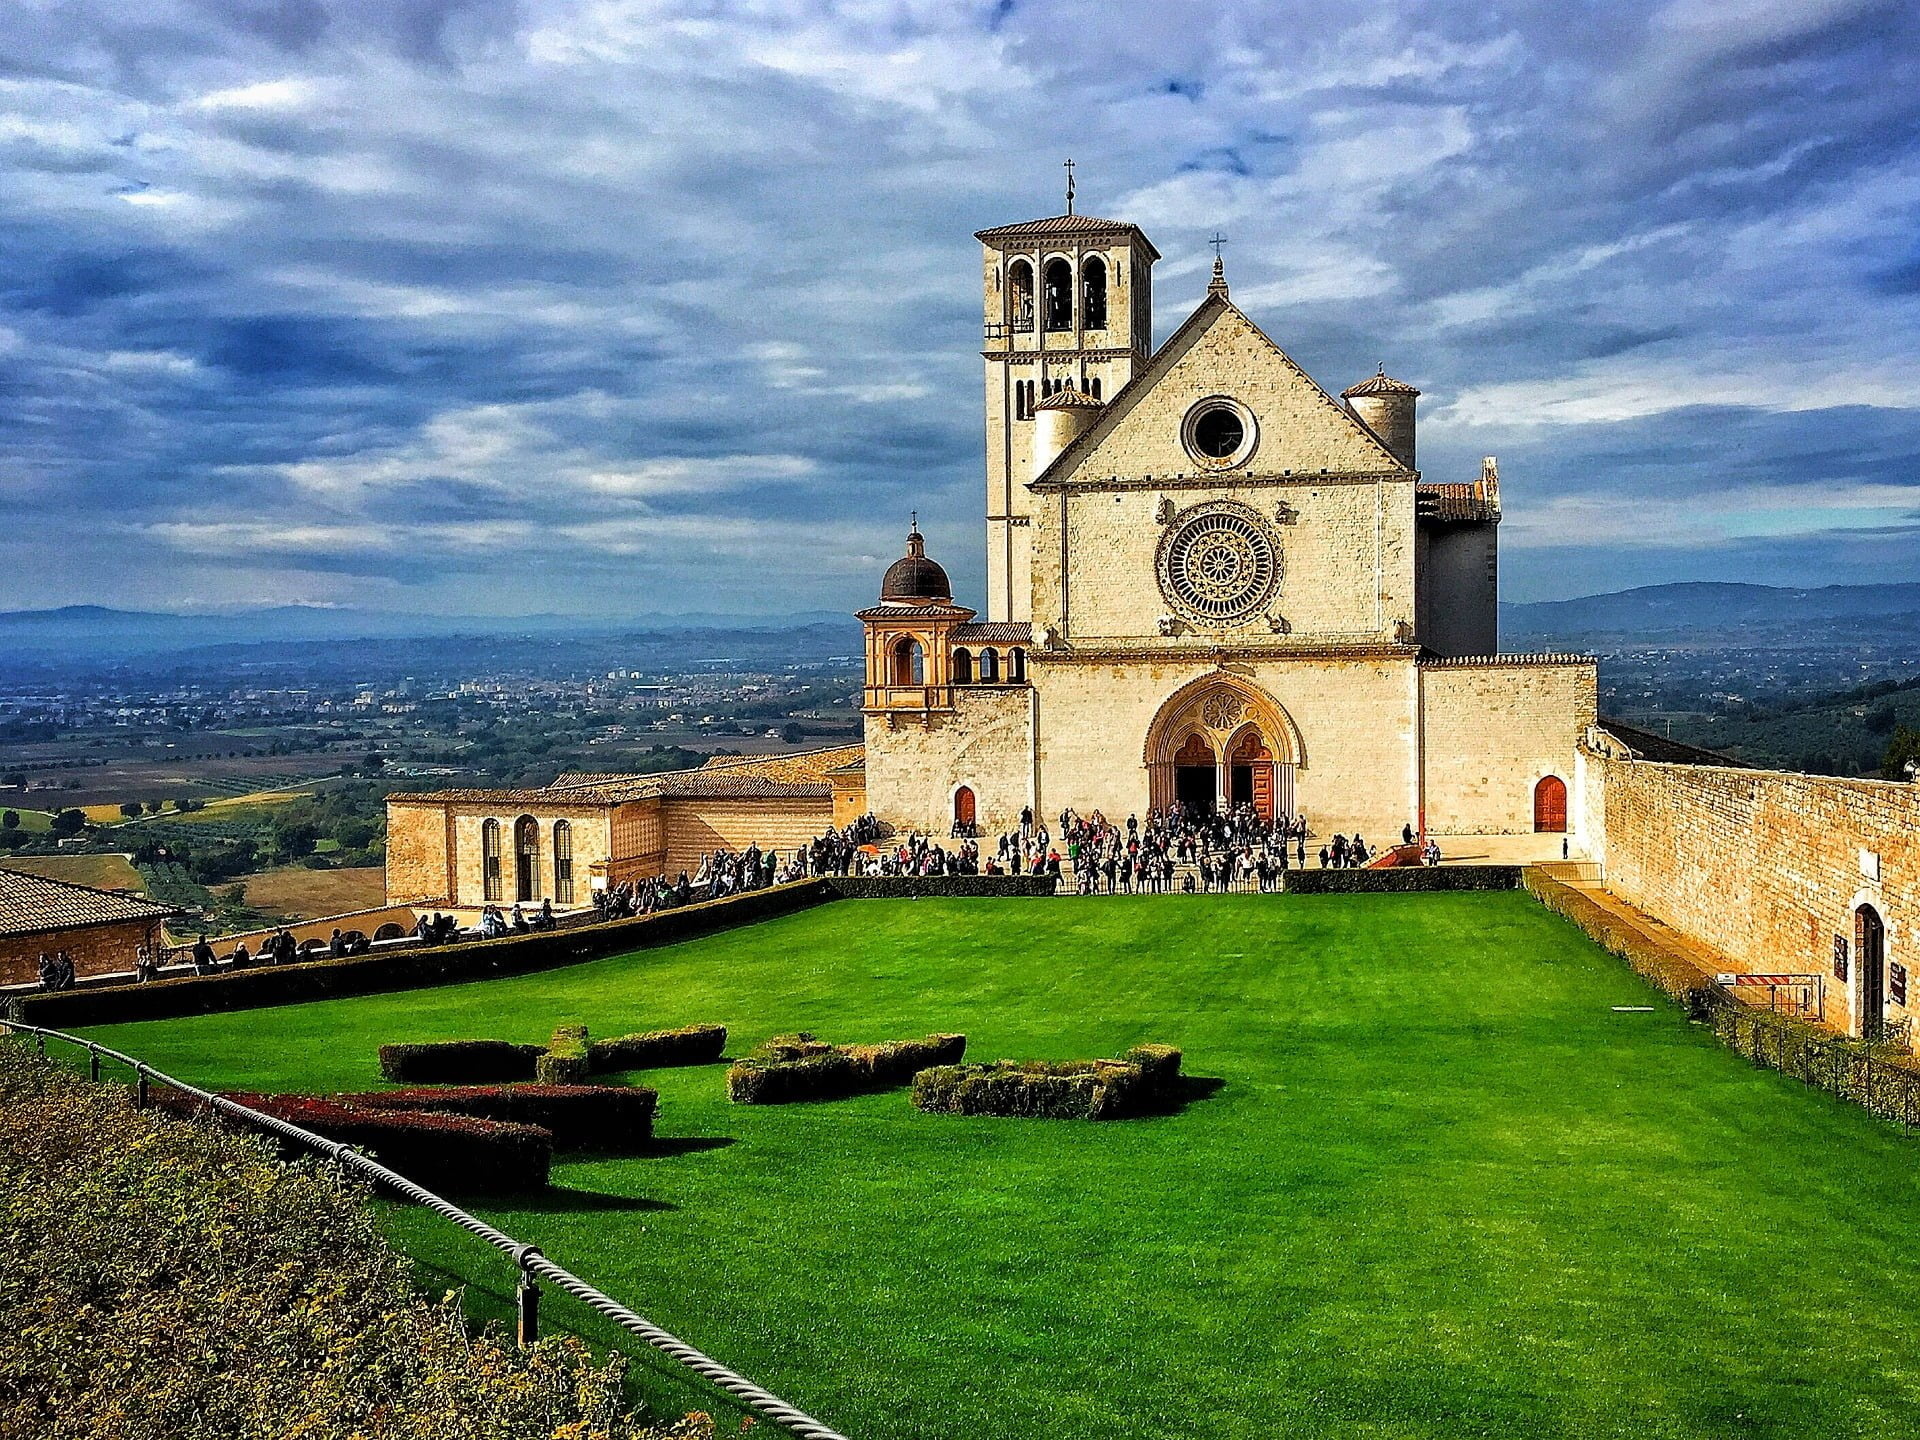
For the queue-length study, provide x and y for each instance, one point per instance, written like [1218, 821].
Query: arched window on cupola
[989, 666]
[1093, 294]
[907, 662]
[963, 667]
[1059, 295]
[1020, 295]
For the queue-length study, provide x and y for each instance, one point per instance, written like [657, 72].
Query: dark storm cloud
[558, 305]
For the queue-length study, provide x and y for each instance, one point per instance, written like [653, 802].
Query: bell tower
[1068, 305]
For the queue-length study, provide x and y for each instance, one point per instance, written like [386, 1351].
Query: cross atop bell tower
[1068, 303]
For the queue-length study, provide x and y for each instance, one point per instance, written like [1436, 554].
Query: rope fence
[532, 1266]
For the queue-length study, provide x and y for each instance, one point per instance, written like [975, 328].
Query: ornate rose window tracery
[1219, 563]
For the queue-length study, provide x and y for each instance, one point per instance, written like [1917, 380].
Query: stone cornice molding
[1210, 653]
[1217, 481]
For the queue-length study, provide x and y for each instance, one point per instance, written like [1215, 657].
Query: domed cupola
[913, 579]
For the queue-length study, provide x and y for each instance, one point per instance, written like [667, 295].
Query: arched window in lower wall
[526, 859]
[562, 862]
[963, 667]
[490, 860]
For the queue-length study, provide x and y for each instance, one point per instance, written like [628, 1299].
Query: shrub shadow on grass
[564, 1199]
[663, 1145]
[1184, 1090]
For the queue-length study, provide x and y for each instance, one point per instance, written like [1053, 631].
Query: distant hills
[95, 632]
[1700, 615]
[1708, 615]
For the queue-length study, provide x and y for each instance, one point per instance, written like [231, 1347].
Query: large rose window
[1219, 564]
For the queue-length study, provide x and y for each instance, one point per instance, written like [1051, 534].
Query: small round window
[1218, 433]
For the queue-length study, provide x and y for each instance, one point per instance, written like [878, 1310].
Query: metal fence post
[140, 1088]
[527, 1300]
[93, 1064]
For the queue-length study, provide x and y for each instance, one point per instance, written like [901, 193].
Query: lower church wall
[1355, 720]
[913, 770]
[1493, 731]
[696, 827]
[1768, 868]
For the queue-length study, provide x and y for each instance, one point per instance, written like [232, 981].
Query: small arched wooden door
[963, 806]
[1550, 805]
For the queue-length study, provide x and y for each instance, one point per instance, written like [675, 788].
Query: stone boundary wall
[928, 887]
[1400, 880]
[414, 968]
[1769, 868]
[1881, 1080]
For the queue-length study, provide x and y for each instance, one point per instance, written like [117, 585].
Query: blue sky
[613, 308]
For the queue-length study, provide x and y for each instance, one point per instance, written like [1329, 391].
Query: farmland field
[301, 894]
[1445, 1188]
[103, 872]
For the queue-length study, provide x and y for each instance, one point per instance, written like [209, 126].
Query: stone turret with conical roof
[1385, 406]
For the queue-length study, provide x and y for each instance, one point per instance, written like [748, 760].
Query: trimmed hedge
[448, 1153]
[657, 1049]
[803, 1067]
[1877, 1078]
[1402, 878]
[1053, 1089]
[580, 1117]
[565, 1059]
[459, 1062]
[1662, 966]
[415, 968]
[932, 887]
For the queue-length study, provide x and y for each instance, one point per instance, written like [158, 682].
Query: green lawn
[1445, 1190]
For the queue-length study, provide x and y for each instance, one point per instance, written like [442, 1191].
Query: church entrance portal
[1870, 956]
[1195, 776]
[1219, 743]
[1251, 775]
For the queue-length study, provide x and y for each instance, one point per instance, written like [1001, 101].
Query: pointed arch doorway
[1196, 778]
[1870, 960]
[1221, 741]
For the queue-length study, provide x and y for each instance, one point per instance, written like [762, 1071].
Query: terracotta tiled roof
[891, 611]
[1381, 384]
[801, 765]
[30, 904]
[1068, 398]
[995, 632]
[1061, 226]
[748, 776]
[1454, 502]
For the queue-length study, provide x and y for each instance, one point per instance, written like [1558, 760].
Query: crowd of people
[56, 970]
[1175, 848]
[494, 924]
[1179, 848]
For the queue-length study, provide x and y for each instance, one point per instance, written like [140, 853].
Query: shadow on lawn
[1183, 1092]
[685, 1144]
[564, 1199]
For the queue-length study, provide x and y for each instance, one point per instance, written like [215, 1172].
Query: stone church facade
[1209, 582]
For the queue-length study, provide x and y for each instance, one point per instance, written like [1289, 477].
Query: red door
[1550, 805]
[963, 806]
